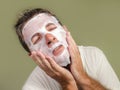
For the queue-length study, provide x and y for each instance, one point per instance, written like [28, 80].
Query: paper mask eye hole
[36, 38]
[50, 26]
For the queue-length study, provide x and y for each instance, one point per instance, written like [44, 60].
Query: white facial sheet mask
[38, 25]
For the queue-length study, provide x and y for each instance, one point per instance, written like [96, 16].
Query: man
[62, 65]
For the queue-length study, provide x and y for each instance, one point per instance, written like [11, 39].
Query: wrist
[83, 79]
[70, 86]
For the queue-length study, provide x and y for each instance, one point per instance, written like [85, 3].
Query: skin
[83, 81]
[73, 79]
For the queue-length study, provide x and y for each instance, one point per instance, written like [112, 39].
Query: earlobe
[29, 54]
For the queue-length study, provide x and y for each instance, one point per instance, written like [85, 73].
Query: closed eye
[36, 38]
[51, 26]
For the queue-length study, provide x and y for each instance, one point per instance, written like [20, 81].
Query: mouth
[58, 50]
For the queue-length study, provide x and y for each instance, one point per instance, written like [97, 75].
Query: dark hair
[26, 16]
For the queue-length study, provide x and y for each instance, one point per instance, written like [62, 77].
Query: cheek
[27, 37]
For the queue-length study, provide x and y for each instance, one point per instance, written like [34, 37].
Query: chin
[63, 59]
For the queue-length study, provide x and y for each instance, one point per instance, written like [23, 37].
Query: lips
[58, 50]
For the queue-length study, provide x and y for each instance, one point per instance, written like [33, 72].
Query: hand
[83, 81]
[76, 66]
[60, 74]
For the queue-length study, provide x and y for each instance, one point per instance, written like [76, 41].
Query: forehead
[36, 23]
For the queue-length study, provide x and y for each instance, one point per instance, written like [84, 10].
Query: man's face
[44, 33]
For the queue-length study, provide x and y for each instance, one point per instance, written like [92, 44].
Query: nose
[50, 39]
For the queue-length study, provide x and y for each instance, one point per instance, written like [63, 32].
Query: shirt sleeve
[105, 73]
[35, 81]
[31, 87]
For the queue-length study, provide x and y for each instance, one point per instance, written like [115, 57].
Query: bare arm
[87, 83]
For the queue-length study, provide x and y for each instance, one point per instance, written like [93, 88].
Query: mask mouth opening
[58, 50]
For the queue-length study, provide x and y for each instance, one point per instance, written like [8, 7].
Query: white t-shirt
[94, 63]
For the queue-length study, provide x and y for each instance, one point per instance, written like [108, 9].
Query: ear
[29, 54]
[65, 28]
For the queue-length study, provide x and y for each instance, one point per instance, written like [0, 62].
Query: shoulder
[39, 80]
[90, 51]
[91, 58]
[90, 48]
[33, 81]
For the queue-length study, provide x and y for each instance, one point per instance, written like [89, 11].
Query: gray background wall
[91, 22]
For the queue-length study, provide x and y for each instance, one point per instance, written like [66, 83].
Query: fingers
[53, 64]
[50, 67]
[36, 59]
[72, 47]
[71, 43]
[70, 39]
[45, 62]
[68, 36]
[43, 59]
